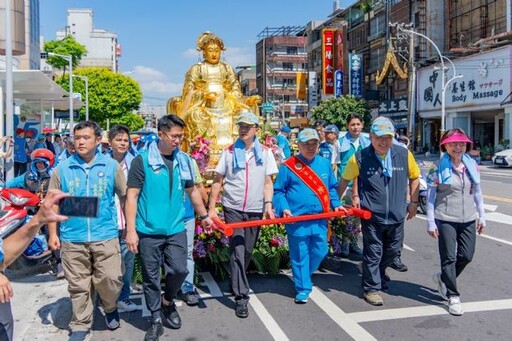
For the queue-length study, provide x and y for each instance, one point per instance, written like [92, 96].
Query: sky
[158, 37]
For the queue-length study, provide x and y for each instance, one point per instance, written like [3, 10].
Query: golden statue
[212, 99]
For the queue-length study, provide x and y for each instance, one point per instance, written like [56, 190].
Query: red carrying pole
[228, 228]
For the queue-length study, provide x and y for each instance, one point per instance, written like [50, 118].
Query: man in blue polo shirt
[157, 181]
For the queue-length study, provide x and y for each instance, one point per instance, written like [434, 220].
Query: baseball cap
[40, 137]
[382, 126]
[247, 117]
[331, 128]
[307, 134]
[286, 129]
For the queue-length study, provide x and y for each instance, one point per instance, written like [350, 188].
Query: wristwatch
[203, 217]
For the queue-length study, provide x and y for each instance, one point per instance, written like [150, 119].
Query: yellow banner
[301, 85]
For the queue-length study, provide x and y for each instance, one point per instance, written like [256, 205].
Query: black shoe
[190, 298]
[112, 320]
[155, 331]
[241, 310]
[398, 265]
[171, 315]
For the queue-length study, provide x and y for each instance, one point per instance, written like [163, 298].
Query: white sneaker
[454, 306]
[126, 306]
[441, 288]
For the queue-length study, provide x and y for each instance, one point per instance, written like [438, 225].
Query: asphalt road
[412, 309]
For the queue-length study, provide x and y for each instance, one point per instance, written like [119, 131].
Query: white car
[503, 158]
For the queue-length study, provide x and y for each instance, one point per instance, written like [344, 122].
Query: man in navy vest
[383, 171]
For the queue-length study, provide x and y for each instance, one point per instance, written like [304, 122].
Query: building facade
[103, 49]
[281, 71]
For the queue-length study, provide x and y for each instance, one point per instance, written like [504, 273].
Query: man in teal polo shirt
[157, 181]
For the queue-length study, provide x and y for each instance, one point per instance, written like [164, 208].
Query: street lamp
[86, 80]
[69, 58]
[444, 82]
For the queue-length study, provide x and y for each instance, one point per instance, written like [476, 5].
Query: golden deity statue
[212, 99]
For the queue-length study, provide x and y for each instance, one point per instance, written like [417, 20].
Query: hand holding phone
[79, 207]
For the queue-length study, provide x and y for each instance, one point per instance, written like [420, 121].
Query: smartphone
[79, 207]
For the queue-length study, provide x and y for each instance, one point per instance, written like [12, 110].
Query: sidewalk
[41, 307]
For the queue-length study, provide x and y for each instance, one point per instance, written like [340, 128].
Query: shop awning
[35, 87]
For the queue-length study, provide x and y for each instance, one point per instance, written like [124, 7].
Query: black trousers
[19, 168]
[457, 243]
[169, 251]
[241, 244]
[381, 244]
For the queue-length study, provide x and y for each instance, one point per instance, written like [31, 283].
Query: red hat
[19, 131]
[457, 137]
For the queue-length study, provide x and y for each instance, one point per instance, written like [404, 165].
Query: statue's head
[211, 45]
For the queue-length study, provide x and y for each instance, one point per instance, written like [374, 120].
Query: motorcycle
[20, 206]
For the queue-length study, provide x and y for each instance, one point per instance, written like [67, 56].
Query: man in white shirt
[246, 169]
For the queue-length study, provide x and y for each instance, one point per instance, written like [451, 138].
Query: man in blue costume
[306, 184]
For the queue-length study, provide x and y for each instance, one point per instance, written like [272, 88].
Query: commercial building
[281, 71]
[103, 49]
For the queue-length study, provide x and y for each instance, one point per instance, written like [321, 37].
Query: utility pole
[412, 93]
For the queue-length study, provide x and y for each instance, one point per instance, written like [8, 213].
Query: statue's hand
[212, 96]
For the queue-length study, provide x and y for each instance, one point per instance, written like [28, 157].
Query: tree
[111, 95]
[131, 120]
[66, 46]
[336, 110]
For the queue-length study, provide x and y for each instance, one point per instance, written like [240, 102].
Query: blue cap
[307, 134]
[40, 137]
[286, 129]
[247, 117]
[331, 128]
[382, 126]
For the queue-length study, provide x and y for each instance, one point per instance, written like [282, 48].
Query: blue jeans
[128, 264]
[188, 283]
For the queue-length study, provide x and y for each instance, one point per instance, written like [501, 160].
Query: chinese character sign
[339, 48]
[328, 64]
[486, 81]
[356, 74]
[338, 86]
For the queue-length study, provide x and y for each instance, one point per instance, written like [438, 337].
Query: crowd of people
[150, 197]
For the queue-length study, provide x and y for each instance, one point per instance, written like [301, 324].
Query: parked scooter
[20, 206]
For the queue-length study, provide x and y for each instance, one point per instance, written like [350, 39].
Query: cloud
[154, 82]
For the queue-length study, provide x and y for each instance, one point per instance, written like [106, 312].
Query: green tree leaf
[111, 95]
[336, 110]
[66, 46]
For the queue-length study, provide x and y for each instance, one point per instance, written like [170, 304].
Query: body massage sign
[486, 81]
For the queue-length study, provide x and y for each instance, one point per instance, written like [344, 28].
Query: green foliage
[336, 110]
[271, 250]
[131, 120]
[111, 95]
[66, 46]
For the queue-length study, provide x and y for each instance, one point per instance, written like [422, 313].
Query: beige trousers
[90, 267]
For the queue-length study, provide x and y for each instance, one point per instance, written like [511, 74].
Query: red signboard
[328, 61]
[339, 49]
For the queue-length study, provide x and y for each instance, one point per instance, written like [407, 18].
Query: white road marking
[499, 218]
[491, 208]
[341, 318]
[212, 286]
[267, 319]
[432, 310]
[495, 239]
[408, 248]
